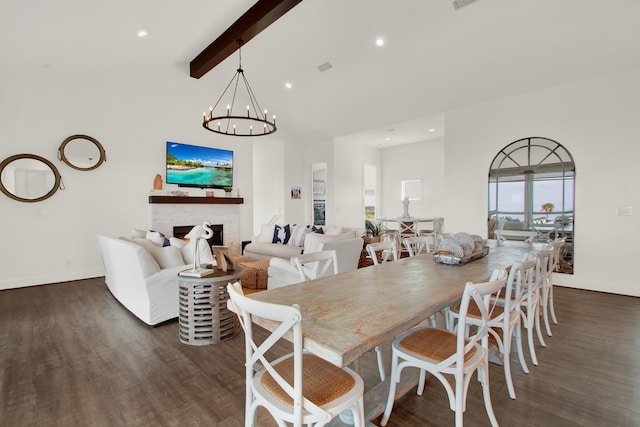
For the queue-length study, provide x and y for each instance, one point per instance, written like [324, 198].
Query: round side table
[203, 315]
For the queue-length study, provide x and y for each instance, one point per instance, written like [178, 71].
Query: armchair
[282, 272]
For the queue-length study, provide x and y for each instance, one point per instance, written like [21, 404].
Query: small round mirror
[82, 152]
[29, 178]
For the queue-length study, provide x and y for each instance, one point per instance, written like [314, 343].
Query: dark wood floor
[70, 355]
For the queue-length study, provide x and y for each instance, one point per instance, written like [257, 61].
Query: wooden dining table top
[347, 315]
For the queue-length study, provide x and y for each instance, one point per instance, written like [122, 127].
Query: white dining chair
[298, 388]
[505, 319]
[436, 232]
[319, 262]
[555, 268]
[450, 357]
[543, 273]
[416, 245]
[381, 252]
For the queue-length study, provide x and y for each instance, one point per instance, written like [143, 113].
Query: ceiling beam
[257, 18]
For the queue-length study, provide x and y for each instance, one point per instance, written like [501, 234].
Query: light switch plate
[624, 211]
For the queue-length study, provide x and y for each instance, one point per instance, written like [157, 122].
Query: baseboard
[26, 281]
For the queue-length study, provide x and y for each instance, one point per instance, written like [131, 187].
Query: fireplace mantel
[197, 200]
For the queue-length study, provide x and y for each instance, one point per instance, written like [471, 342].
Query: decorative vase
[157, 182]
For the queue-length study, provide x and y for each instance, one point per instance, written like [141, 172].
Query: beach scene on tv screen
[195, 166]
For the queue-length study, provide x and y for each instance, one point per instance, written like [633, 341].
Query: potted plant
[547, 207]
[374, 231]
[227, 191]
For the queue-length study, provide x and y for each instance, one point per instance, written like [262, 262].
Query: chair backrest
[416, 245]
[438, 224]
[519, 286]
[527, 236]
[557, 250]
[316, 262]
[257, 356]
[484, 295]
[544, 266]
[387, 249]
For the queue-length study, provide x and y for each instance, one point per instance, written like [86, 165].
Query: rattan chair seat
[432, 344]
[322, 381]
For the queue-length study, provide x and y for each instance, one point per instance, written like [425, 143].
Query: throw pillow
[281, 234]
[138, 234]
[166, 257]
[297, 237]
[266, 233]
[157, 238]
[317, 230]
[334, 231]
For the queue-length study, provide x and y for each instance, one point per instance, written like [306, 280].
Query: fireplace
[164, 216]
[180, 231]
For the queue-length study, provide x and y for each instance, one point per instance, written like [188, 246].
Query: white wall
[423, 161]
[268, 197]
[596, 120]
[132, 113]
[348, 182]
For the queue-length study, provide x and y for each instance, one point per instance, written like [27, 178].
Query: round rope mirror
[82, 152]
[29, 178]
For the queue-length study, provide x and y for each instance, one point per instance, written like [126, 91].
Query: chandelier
[253, 122]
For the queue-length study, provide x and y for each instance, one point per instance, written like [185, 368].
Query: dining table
[349, 314]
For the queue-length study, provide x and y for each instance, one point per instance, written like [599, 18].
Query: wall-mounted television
[194, 166]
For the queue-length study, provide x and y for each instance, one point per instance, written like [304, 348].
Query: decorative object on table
[197, 270]
[224, 260]
[227, 191]
[82, 152]
[460, 248]
[157, 182]
[405, 208]
[210, 194]
[296, 192]
[178, 193]
[228, 122]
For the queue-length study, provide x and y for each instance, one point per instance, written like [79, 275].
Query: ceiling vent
[325, 66]
[457, 4]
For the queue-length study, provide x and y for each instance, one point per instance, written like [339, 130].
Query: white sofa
[348, 249]
[262, 246]
[143, 275]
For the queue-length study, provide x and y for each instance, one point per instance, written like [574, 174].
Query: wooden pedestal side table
[203, 315]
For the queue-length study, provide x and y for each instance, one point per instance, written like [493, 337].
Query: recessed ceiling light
[288, 85]
[379, 42]
[387, 139]
[142, 33]
[432, 130]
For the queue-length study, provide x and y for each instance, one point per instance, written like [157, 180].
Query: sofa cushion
[266, 233]
[165, 256]
[298, 234]
[314, 242]
[272, 250]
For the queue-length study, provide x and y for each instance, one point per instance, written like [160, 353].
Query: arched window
[531, 187]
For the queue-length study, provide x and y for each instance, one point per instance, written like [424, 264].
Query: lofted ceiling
[435, 58]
